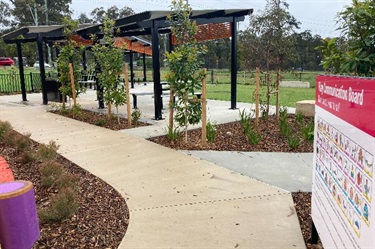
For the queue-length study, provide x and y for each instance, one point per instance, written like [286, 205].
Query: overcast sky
[316, 15]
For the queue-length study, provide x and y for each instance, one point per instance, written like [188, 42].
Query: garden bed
[102, 216]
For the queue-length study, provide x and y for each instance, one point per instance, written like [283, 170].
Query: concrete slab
[288, 171]
[174, 200]
[296, 84]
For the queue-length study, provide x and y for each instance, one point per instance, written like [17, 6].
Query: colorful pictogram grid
[347, 172]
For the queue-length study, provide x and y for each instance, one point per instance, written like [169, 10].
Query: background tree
[185, 65]
[5, 14]
[56, 11]
[308, 58]
[83, 18]
[112, 13]
[354, 52]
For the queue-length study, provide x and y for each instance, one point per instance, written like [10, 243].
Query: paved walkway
[175, 201]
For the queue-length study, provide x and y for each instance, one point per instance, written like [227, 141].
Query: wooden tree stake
[71, 72]
[204, 110]
[257, 86]
[278, 93]
[171, 112]
[128, 108]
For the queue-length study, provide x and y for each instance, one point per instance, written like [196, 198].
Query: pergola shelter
[43, 35]
[210, 24]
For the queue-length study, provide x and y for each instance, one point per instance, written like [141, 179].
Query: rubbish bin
[52, 89]
[19, 226]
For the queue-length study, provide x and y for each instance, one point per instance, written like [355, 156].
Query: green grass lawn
[245, 93]
[220, 90]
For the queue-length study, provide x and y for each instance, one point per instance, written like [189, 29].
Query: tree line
[271, 41]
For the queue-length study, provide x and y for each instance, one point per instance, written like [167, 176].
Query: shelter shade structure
[213, 24]
[48, 35]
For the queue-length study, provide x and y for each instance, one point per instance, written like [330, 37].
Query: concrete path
[288, 171]
[175, 201]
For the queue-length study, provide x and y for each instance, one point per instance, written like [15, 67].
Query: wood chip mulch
[99, 119]
[230, 137]
[101, 219]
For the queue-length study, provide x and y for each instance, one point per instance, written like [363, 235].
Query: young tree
[272, 32]
[110, 60]
[269, 40]
[69, 53]
[185, 65]
[358, 26]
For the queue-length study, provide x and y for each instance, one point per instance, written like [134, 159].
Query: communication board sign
[343, 199]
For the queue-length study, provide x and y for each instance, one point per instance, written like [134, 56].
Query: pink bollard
[19, 226]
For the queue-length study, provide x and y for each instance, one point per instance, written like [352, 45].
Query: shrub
[284, 127]
[27, 157]
[50, 173]
[307, 131]
[293, 141]
[100, 122]
[299, 117]
[211, 132]
[136, 115]
[63, 206]
[5, 128]
[252, 135]
[67, 181]
[22, 142]
[283, 112]
[77, 111]
[173, 133]
[47, 152]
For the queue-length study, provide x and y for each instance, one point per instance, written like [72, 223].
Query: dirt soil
[101, 219]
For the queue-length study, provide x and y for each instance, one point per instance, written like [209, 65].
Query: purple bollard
[19, 226]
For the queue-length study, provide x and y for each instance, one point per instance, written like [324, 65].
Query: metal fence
[11, 83]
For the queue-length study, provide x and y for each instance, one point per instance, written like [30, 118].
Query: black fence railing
[11, 83]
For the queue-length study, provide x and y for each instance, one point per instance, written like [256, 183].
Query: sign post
[343, 203]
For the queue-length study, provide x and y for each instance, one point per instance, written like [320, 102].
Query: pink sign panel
[343, 174]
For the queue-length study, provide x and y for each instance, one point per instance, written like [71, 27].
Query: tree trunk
[186, 115]
[109, 109]
[118, 116]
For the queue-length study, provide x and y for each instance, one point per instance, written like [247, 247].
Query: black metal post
[84, 59]
[156, 71]
[314, 234]
[22, 72]
[99, 86]
[131, 69]
[233, 98]
[42, 69]
[144, 68]
[32, 83]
